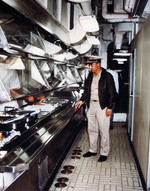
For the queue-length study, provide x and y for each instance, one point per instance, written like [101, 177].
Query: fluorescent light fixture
[120, 62]
[120, 59]
[89, 23]
[93, 40]
[122, 54]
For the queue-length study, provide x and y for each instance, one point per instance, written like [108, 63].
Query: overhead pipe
[120, 30]
[77, 33]
[59, 8]
[129, 5]
[86, 7]
[109, 16]
[83, 47]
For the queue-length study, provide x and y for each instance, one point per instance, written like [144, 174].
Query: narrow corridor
[118, 173]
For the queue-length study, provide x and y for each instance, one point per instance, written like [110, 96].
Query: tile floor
[118, 173]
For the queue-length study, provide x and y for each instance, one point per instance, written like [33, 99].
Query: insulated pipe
[77, 34]
[129, 5]
[120, 30]
[110, 16]
[87, 9]
[59, 8]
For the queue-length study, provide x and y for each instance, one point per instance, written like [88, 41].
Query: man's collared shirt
[94, 86]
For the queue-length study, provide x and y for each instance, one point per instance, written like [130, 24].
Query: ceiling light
[122, 54]
[89, 23]
[120, 62]
[120, 59]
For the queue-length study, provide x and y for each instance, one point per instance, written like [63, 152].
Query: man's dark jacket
[106, 90]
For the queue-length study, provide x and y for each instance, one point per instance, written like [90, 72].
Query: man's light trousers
[98, 123]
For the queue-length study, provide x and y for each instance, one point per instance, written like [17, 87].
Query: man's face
[94, 66]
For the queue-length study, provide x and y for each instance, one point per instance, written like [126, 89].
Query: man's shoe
[102, 158]
[89, 154]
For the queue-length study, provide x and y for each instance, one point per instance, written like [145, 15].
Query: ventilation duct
[119, 6]
[86, 7]
[77, 34]
[89, 23]
[120, 30]
[129, 5]
[110, 16]
[93, 40]
[83, 48]
[64, 57]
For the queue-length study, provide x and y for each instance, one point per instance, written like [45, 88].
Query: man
[99, 94]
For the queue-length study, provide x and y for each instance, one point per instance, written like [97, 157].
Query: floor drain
[76, 153]
[77, 150]
[68, 167]
[66, 171]
[75, 157]
[60, 185]
[62, 179]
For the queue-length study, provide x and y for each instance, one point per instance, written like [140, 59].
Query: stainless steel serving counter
[34, 156]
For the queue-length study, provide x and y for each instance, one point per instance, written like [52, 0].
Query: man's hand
[108, 112]
[78, 104]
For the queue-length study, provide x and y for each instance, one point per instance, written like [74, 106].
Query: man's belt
[94, 100]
